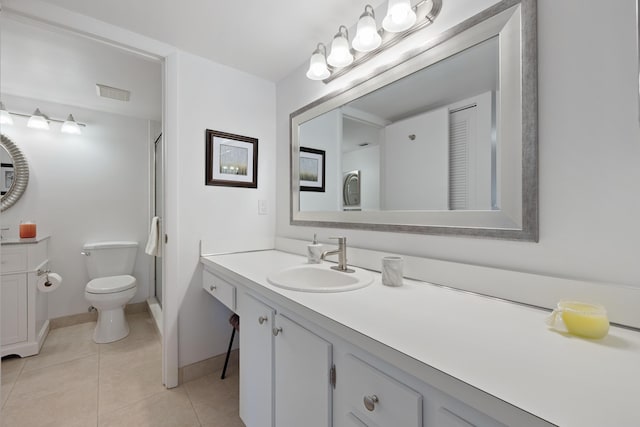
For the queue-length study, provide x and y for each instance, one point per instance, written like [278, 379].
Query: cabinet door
[14, 308]
[302, 365]
[256, 362]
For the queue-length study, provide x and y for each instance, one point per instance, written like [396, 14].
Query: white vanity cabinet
[220, 289]
[302, 365]
[284, 369]
[375, 398]
[14, 308]
[24, 311]
[256, 361]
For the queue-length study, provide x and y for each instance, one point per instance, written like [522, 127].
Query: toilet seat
[110, 284]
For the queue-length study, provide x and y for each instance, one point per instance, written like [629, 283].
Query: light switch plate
[262, 207]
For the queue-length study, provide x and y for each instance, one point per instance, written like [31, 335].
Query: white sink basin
[320, 278]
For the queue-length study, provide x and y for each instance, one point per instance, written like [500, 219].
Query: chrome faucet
[342, 255]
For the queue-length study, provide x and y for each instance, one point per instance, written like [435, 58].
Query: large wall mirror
[445, 141]
[14, 173]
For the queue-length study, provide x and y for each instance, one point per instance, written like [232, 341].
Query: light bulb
[71, 126]
[367, 37]
[5, 117]
[38, 121]
[400, 16]
[318, 65]
[340, 55]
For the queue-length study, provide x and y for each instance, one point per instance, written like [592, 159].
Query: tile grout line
[193, 408]
[12, 385]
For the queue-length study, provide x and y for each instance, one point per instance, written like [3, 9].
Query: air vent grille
[112, 92]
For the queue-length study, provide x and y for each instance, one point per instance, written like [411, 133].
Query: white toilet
[110, 265]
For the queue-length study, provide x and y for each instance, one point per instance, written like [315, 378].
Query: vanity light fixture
[318, 64]
[400, 21]
[340, 55]
[70, 126]
[38, 120]
[367, 37]
[5, 117]
[400, 16]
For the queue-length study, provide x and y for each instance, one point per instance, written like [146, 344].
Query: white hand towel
[153, 244]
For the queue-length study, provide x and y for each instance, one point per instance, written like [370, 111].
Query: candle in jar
[586, 320]
[27, 230]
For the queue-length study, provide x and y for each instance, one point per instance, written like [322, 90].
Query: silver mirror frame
[21, 174]
[519, 221]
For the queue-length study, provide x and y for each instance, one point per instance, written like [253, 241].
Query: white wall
[85, 188]
[324, 133]
[589, 140]
[415, 173]
[212, 96]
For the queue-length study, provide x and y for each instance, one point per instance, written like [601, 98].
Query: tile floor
[76, 382]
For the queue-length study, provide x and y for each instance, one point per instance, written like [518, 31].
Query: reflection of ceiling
[357, 134]
[61, 67]
[461, 76]
[265, 38]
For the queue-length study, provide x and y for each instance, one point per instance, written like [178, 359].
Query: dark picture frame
[230, 160]
[7, 177]
[312, 169]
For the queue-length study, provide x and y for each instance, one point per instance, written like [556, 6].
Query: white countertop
[502, 348]
[19, 241]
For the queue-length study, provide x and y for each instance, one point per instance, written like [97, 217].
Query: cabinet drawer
[453, 413]
[13, 258]
[221, 289]
[353, 420]
[389, 402]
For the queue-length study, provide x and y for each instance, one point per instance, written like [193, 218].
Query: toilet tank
[110, 258]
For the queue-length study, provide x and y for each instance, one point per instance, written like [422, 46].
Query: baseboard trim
[76, 319]
[212, 365]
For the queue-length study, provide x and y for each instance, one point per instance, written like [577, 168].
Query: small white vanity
[418, 355]
[25, 321]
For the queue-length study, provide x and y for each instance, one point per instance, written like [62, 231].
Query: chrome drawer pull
[276, 331]
[212, 288]
[370, 402]
[262, 319]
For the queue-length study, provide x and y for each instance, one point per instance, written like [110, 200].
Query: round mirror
[14, 173]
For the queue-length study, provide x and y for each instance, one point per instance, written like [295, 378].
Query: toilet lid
[111, 284]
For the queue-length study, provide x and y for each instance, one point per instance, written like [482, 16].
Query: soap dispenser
[314, 251]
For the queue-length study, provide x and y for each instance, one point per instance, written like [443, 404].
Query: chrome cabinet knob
[85, 253]
[262, 319]
[276, 331]
[370, 402]
[212, 288]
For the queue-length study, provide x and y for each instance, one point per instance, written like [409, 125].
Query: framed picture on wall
[312, 169]
[231, 160]
[7, 175]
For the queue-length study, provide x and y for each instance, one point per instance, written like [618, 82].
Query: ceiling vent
[113, 92]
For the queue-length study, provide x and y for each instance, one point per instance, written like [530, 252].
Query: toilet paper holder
[40, 272]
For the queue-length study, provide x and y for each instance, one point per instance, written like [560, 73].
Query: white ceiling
[264, 38]
[58, 66]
